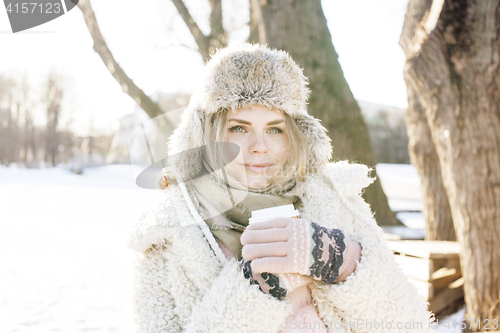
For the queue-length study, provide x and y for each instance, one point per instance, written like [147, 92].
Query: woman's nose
[258, 145]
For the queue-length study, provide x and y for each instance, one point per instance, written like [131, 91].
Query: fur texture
[244, 76]
[183, 285]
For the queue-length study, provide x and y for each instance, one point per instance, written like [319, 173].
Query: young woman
[246, 142]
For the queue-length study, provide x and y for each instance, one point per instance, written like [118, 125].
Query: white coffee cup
[262, 215]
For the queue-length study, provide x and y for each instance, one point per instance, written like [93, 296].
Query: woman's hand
[297, 246]
[275, 285]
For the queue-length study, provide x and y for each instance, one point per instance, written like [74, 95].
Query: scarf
[226, 205]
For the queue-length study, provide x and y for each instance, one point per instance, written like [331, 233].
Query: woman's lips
[258, 169]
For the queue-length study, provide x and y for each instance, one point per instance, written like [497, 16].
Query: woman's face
[262, 137]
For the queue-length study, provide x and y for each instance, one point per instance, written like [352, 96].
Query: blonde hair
[295, 163]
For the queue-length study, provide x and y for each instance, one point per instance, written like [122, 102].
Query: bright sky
[365, 34]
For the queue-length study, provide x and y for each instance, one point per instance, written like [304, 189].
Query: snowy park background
[65, 264]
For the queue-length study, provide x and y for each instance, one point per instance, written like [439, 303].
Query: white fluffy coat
[185, 284]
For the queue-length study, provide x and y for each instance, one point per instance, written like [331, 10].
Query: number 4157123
[32, 7]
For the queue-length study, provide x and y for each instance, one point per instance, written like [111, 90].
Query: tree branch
[202, 40]
[100, 46]
[257, 27]
[218, 36]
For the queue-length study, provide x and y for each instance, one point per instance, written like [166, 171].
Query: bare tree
[5, 87]
[256, 23]
[30, 135]
[128, 86]
[423, 155]
[10, 116]
[207, 44]
[53, 98]
[453, 65]
[22, 139]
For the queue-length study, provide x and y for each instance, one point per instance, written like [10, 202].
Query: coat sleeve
[377, 295]
[230, 304]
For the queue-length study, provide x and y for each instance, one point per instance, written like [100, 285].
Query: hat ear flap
[185, 146]
[318, 143]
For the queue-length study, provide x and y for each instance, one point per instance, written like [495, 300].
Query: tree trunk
[454, 67]
[436, 209]
[256, 24]
[300, 28]
[54, 95]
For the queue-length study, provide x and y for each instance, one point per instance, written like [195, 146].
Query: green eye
[236, 128]
[277, 130]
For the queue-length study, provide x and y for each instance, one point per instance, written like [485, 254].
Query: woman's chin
[257, 184]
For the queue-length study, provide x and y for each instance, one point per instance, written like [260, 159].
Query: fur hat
[242, 76]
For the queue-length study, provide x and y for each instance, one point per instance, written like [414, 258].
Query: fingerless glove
[297, 246]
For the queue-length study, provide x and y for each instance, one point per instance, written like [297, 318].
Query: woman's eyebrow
[274, 122]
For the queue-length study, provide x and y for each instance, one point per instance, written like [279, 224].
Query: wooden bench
[433, 267]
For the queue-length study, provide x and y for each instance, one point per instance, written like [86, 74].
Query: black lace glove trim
[268, 283]
[328, 253]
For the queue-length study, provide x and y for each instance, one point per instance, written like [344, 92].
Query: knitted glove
[286, 245]
[277, 286]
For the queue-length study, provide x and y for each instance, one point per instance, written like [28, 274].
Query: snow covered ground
[65, 266]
